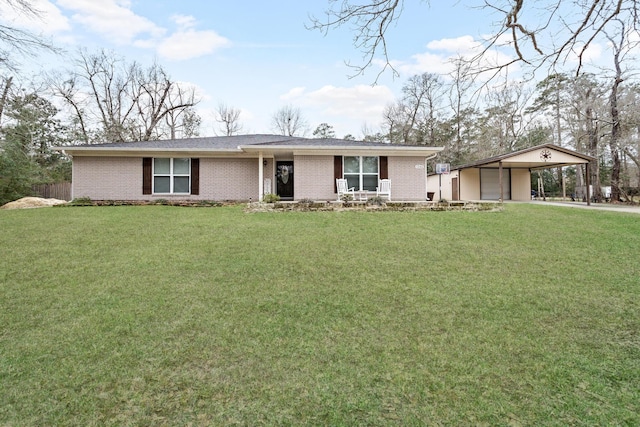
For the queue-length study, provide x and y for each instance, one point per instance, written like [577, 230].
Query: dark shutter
[337, 171]
[384, 167]
[146, 175]
[195, 176]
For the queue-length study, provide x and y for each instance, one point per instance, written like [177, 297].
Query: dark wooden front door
[284, 179]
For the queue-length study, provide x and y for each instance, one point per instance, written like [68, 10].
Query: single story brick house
[503, 177]
[245, 167]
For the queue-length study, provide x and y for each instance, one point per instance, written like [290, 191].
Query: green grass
[160, 315]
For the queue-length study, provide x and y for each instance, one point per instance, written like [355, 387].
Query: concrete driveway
[596, 206]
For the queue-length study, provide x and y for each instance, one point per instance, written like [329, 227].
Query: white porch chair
[343, 189]
[266, 187]
[384, 188]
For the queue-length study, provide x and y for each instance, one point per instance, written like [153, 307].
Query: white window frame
[360, 172]
[171, 175]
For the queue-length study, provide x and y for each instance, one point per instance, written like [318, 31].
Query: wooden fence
[59, 190]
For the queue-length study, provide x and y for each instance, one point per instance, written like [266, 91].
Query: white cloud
[184, 21]
[359, 101]
[441, 54]
[117, 22]
[438, 56]
[293, 94]
[187, 44]
[460, 45]
[111, 18]
[345, 108]
[426, 62]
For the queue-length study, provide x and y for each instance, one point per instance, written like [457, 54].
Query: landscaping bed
[283, 206]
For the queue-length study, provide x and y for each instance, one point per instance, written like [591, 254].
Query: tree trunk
[615, 122]
[592, 137]
[3, 97]
[613, 143]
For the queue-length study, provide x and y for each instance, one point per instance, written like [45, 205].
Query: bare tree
[539, 32]
[370, 21]
[372, 135]
[183, 123]
[459, 94]
[413, 118]
[505, 121]
[394, 120]
[229, 119]
[117, 101]
[17, 42]
[621, 48]
[586, 97]
[289, 121]
[631, 119]
[422, 94]
[156, 97]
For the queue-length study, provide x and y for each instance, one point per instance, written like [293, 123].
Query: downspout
[73, 169]
[426, 175]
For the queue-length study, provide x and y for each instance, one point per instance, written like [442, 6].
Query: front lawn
[158, 315]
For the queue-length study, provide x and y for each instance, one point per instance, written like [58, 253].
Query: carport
[508, 176]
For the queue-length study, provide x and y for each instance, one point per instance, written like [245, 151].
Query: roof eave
[251, 150]
[345, 150]
[136, 152]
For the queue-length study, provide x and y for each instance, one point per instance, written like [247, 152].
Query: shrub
[208, 203]
[81, 201]
[271, 198]
[376, 200]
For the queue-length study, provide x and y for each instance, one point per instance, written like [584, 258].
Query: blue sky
[258, 56]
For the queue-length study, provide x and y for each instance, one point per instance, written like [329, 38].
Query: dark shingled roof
[233, 142]
[326, 142]
[209, 142]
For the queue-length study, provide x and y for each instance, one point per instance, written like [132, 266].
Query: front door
[284, 180]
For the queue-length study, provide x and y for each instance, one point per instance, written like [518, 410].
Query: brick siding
[120, 178]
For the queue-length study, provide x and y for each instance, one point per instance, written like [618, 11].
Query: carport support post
[500, 178]
[588, 181]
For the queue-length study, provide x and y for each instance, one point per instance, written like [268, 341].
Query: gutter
[426, 175]
[135, 152]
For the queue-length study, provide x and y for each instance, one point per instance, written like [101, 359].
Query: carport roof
[539, 157]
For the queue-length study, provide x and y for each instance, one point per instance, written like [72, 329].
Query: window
[171, 176]
[361, 172]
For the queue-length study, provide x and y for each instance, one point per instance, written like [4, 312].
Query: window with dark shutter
[146, 175]
[384, 167]
[337, 171]
[195, 176]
